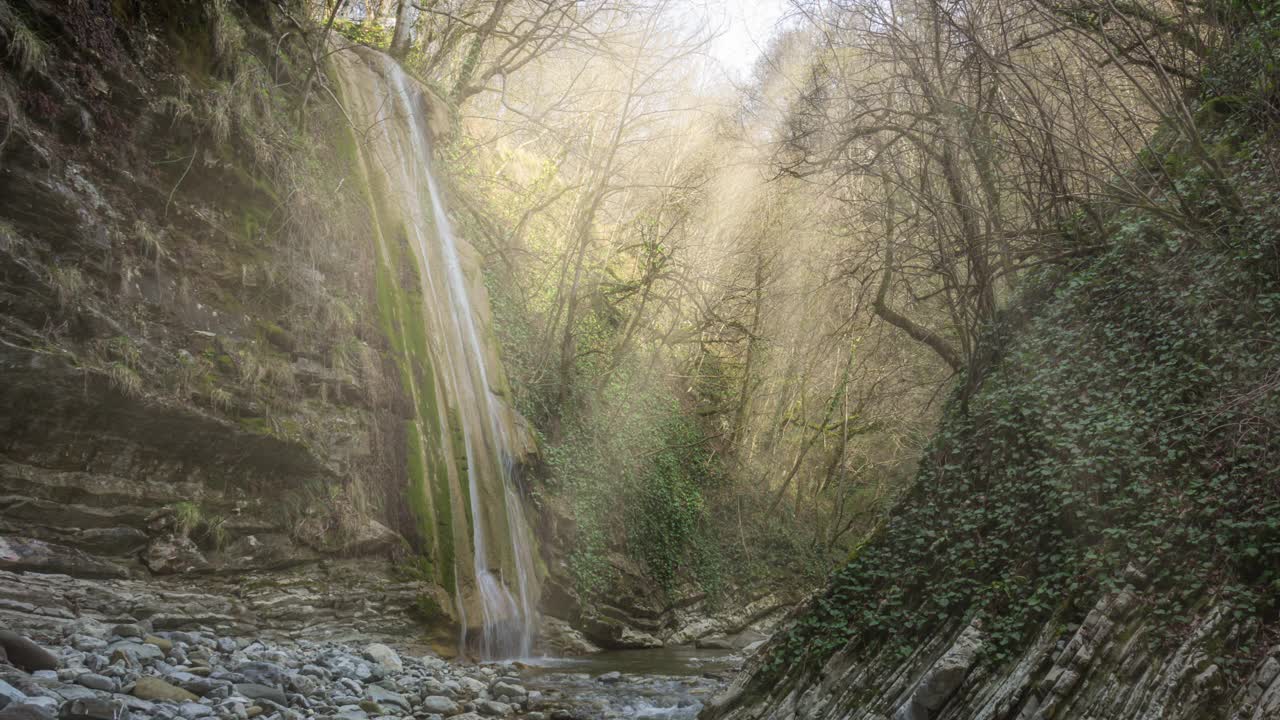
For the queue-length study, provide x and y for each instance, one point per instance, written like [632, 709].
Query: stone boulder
[384, 656]
[25, 654]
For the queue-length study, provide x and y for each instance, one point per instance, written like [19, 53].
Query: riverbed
[660, 683]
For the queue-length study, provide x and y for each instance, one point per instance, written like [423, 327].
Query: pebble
[129, 672]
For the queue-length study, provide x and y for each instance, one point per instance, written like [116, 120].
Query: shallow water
[661, 683]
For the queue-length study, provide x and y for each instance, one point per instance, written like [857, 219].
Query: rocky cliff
[202, 416]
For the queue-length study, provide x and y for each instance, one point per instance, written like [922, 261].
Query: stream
[659, 683]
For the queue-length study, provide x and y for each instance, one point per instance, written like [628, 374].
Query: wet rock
[24, 653]
[509, 688]
[718, 642]
[153, 688]
[610, 678]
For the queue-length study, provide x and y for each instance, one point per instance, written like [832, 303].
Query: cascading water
[397, 152]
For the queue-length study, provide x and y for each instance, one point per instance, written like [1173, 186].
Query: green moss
[458, 443]
[400, 313]
[428, 610]
[417, 494]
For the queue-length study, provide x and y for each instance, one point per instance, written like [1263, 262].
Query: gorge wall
[230, 397]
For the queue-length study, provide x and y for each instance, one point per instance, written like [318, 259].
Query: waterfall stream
[389, 108]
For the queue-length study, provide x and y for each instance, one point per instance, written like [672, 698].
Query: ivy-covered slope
[1095, 530]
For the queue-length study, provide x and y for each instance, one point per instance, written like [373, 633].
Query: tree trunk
[402, 39]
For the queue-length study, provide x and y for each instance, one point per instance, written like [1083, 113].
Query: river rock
[263, 673]
[439, 704]
[256, 691]
[25, 654]
[385, 697]
[128, 630]
[96, 682]
[26, 711]
[194, 710]
[153, 688]
[10, 694]
[493, 708]
[93, 709]
[133, 654]
[432, 686]
[348, 666]
[162, 643]
[384, 656]
[87, 643]
[304, 684]
[508, 687]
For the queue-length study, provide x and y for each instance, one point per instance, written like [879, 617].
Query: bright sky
[748, 26]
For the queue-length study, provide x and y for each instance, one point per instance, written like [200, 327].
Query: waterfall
[390, 109]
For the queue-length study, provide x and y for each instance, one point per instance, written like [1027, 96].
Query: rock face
[1104, 668]
[175, 444]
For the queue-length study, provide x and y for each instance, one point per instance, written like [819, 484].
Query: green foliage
[428, 610]
[670, 502]
[372, 34]
[1244, 80]
[187, 516]
[635, 476]
[1126, 434]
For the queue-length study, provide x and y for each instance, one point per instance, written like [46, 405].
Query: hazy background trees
[732, 309]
